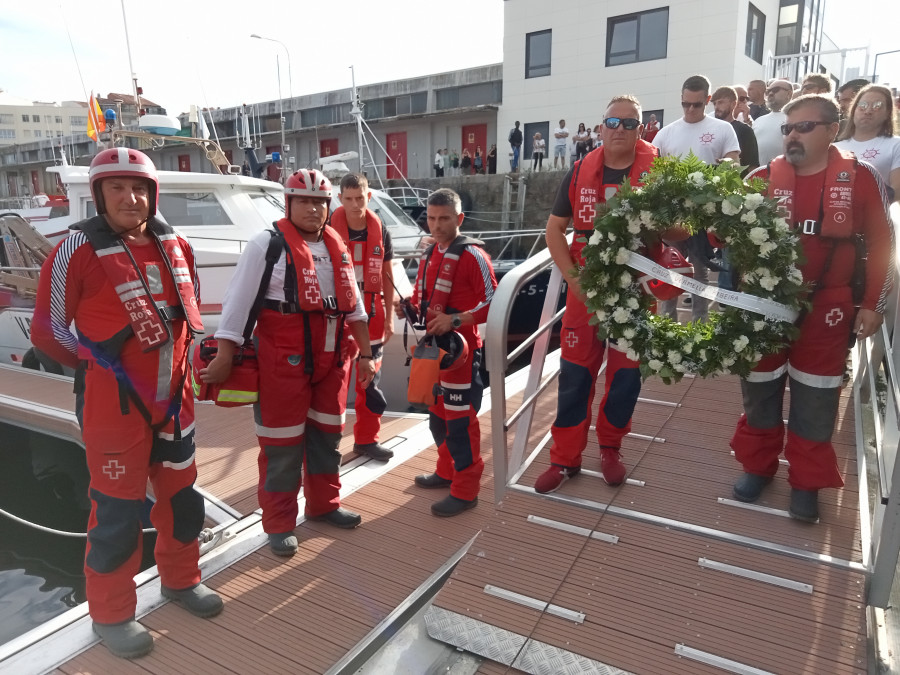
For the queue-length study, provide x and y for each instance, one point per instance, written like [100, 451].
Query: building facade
[568, 64]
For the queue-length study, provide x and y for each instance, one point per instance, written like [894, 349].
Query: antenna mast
[134, 84]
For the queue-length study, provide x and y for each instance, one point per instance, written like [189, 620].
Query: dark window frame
[611, 23]
[537, 70]
[754, 50]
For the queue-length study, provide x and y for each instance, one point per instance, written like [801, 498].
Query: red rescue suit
[304, 356]
[368, 261]
[828, 208]
[123, 449]
[459, 279]
[581, 350]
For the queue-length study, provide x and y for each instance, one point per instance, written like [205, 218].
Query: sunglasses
[801, 127]
[743, 99]
[775, 90]
[629, 123]
[875, 105]
[696, 104]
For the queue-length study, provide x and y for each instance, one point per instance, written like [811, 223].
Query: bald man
[768, 127]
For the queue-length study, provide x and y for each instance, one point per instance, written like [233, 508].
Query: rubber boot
[198, 600]
[127, 639]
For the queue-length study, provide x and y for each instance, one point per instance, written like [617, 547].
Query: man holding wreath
[831, 199]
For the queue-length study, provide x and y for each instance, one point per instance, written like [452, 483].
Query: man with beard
[724, 100]
[830, 199]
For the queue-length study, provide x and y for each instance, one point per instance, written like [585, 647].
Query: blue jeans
[514, 164]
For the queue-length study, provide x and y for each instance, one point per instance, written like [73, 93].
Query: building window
[469, 96]
[790, 19]
[329, 114]
[78, 121]
[756, 32]
[7, 133]
[637, 37]
[645, 116]
[528, 132]
[26, 118]
[537, 53]
[36, 119]
[37, 133]
[58, 119]
[6, 118]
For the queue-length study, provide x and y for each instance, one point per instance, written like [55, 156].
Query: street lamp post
[280, 100]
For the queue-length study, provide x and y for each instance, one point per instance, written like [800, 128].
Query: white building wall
[704, 37]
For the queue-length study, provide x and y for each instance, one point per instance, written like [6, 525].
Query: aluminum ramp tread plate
[646, 594]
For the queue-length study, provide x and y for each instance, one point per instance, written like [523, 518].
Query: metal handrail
[498, 360]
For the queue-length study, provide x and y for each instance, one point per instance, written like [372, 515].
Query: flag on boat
[195, 116]
[96, 121]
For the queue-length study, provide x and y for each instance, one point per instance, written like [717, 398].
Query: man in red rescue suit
[453, 291]
[369, 243]
[129, 283]
[593, 179]
[304, 354]
[830, 198]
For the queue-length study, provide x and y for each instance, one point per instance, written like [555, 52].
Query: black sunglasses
[629, 123]
[801, 127]
[696, 104]
[775, 90]
[743, 98]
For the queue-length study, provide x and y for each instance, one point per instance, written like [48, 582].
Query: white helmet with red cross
[306, 183]
[123, 163]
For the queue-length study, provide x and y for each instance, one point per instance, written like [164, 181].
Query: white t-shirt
[564, 139]
[439, 160]
[242, 288]
[710, 139]
[882, 152]
[538, 145]
[768, 136]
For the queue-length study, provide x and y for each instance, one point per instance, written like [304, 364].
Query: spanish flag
[96, 120]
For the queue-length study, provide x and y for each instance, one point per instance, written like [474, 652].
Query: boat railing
[406, 195]
[877, 398]
[498, 362]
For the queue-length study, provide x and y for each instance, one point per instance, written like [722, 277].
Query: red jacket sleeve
[479, 272]
[59, 291]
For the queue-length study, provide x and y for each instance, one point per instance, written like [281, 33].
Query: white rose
[631, 355]
[633, 303]
[622, 256]
[753, 201]
[749, 217]
[728, 361]
[600, 314]
[740, 343]
[757, 234]
[679, 367]
[782, 225]
[759, 325]
[655, 364]
[716, 179]
[628, 333]
[611, 299]
[730, 209]
[769, 283]
[795, 275]
[697, 178]
[611, 236]
[625, 280]
[674, 356]
[603, 279]
[710, 207]
[621, 315]
[634, 226]
[596, 238]
[688, 347]
[646, 217]
[766, 248]
[623, 344]
[591, 294]
[698, 338]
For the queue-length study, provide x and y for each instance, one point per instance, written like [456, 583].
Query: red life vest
[836, 208]
[309, 297]
[147, 321]
[443, 284]
[587, 187]
[369, 259]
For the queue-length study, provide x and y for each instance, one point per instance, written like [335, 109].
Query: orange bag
[424, 374]
[242, 385]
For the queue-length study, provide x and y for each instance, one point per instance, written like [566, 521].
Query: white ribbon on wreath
[752, 303]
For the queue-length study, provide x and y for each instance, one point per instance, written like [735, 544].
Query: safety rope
[50, 530]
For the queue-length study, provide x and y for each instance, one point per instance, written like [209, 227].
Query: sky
[203, 53]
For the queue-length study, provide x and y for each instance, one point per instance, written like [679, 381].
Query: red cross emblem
[834, 317]
[113, 469]
[312, 294]
[572, 339]
[147, 326]
[587, 213]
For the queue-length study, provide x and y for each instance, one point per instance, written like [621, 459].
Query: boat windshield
[268, 205]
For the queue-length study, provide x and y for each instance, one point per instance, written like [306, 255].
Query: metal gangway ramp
[667, 573]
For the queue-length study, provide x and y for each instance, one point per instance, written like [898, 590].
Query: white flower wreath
[697, 197]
